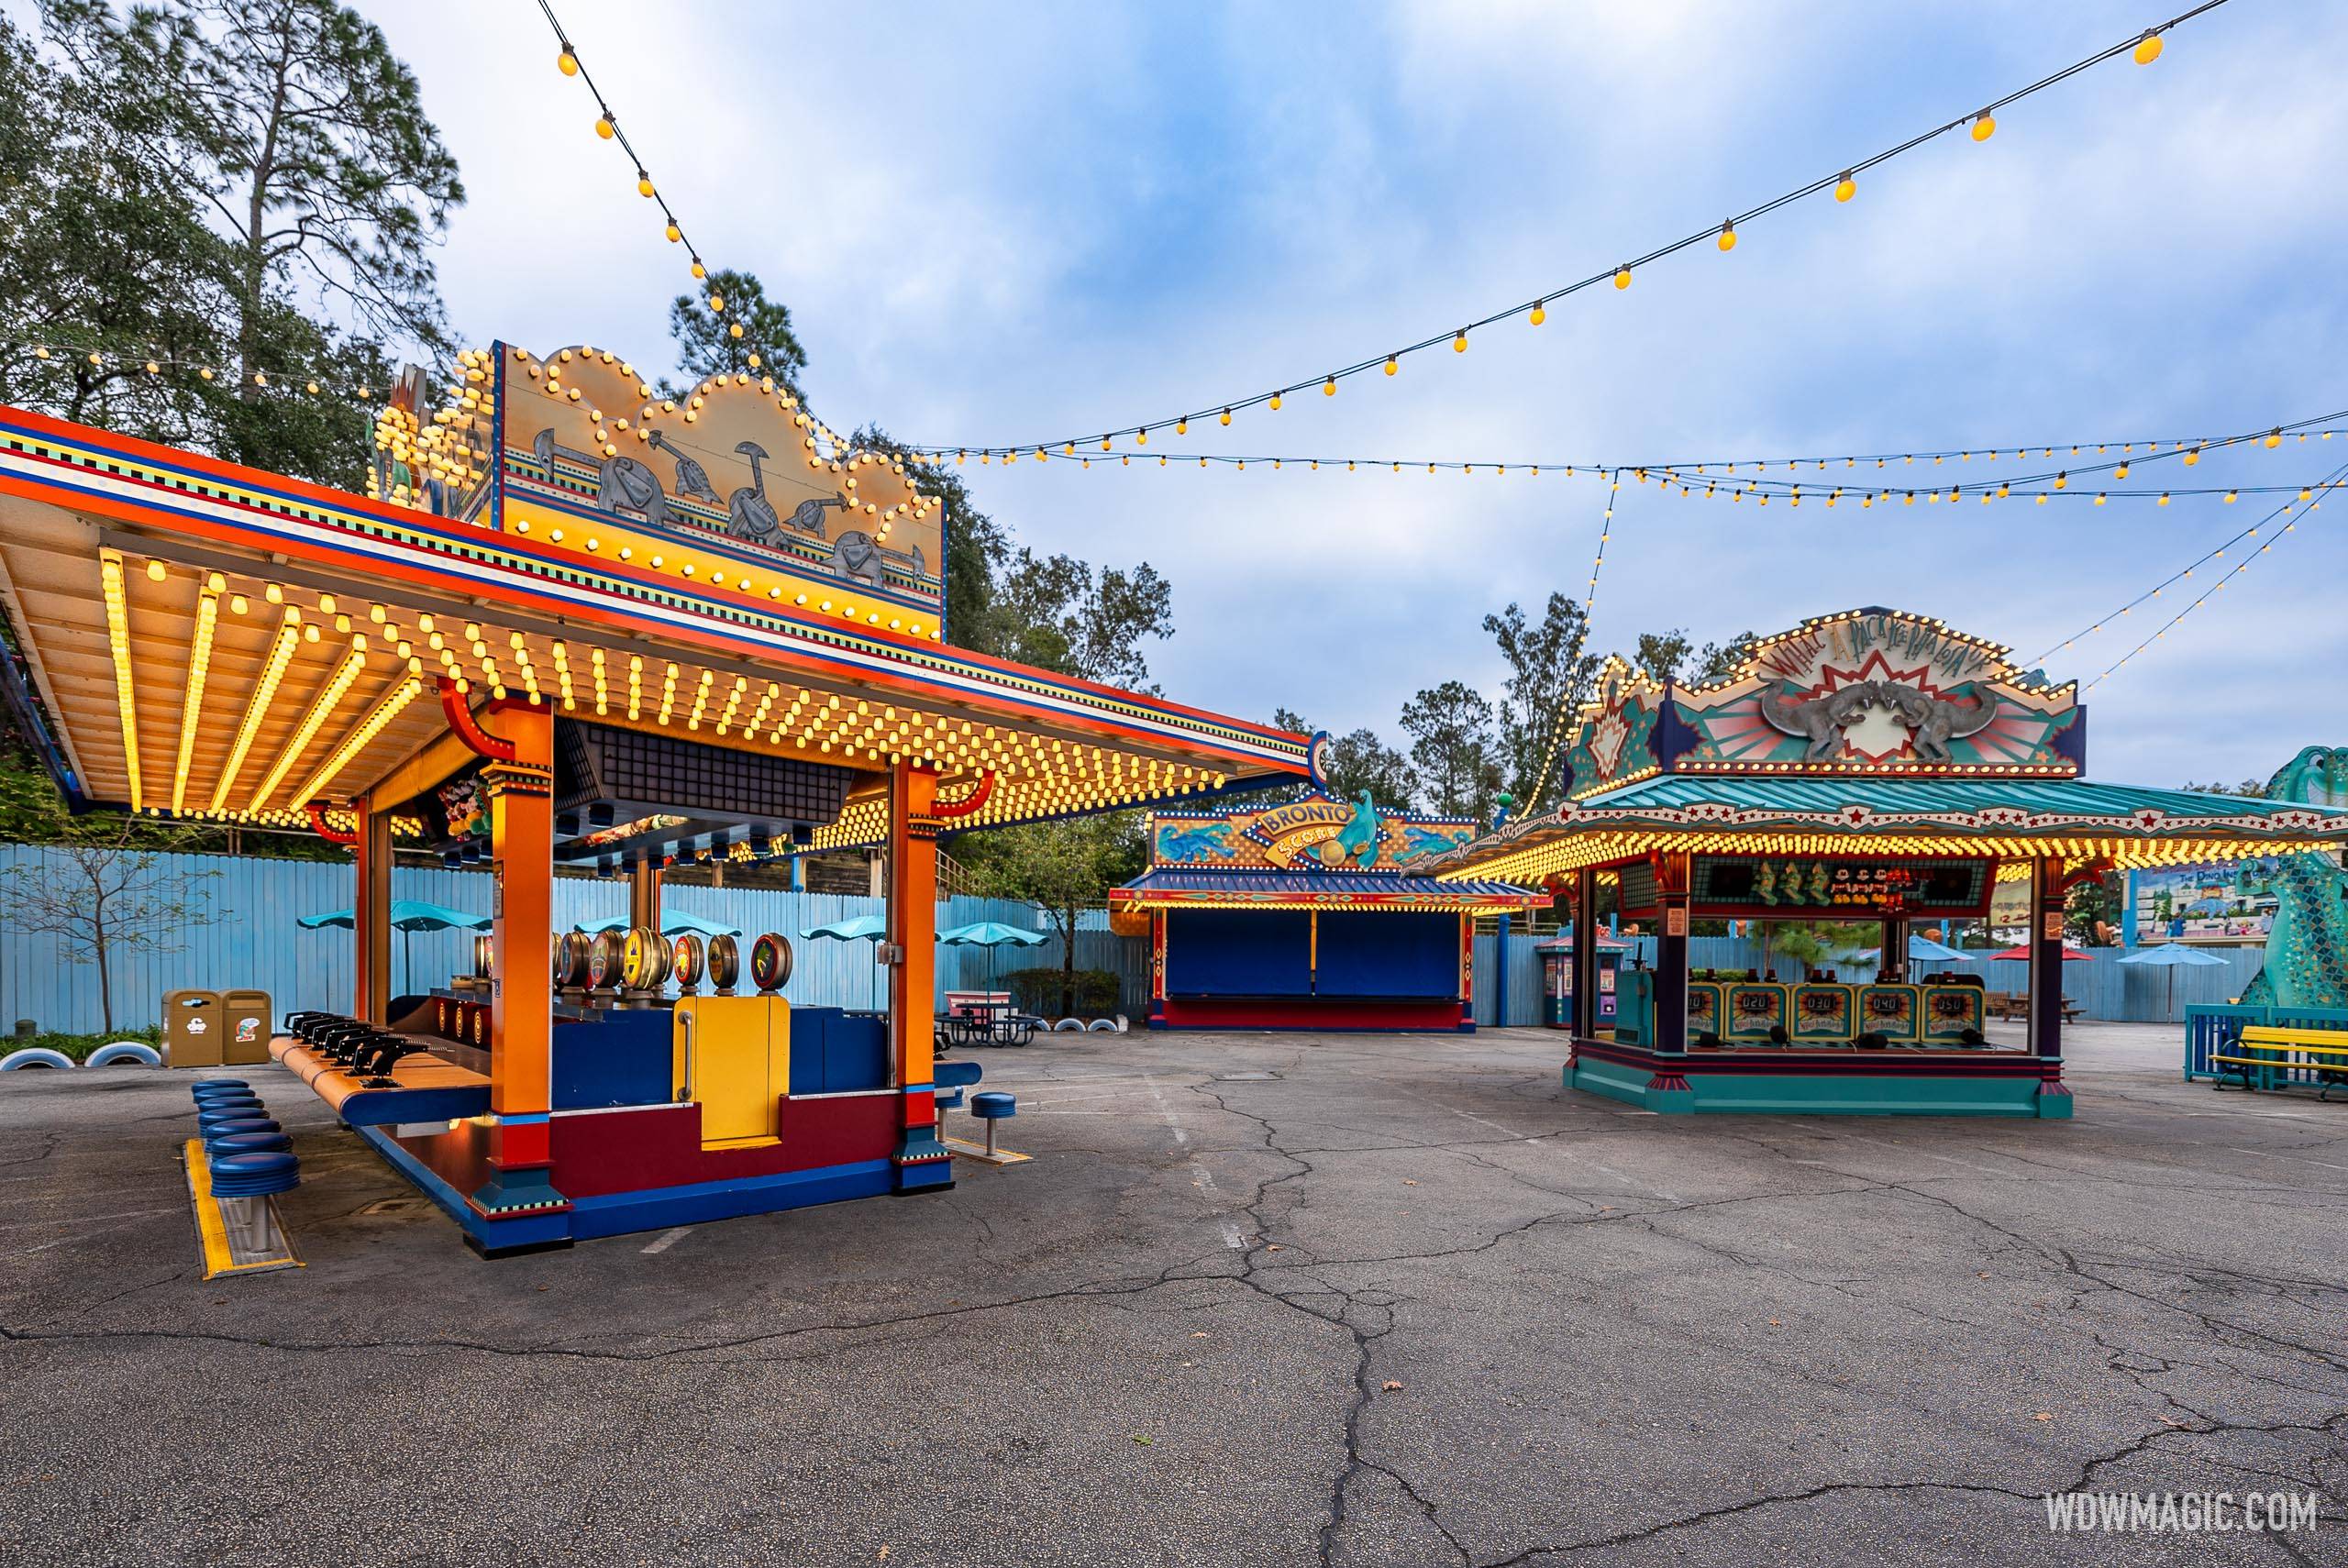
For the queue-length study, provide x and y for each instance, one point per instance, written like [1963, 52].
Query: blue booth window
[1238, 953]
[1402, 955]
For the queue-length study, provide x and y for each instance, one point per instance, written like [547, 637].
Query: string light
[608, 127]
[1703, 479]
[2304, 496]
[1982, 122]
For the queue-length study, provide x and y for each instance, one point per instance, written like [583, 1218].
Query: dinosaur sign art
[729, 488]
[1320, 833]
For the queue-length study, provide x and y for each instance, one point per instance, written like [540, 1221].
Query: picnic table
[2016, 1005]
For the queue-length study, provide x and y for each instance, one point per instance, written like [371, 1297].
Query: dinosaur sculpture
[807, 517]
[692, 478]
[748, 513]
[623, 484]
[2306, 951]
[1933, 722]
[1357, 840]
[1819, 719]
[855, 557]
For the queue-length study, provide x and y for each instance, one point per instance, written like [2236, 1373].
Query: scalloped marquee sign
[729, 491]
[1870, 691]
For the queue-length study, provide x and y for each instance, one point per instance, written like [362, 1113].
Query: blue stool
[227, 1097]
[229, 1125]
[234, 1108]
[213, 1086]
[254, 1176]
[956, 1076]
[222, 1143]
[991, 1107]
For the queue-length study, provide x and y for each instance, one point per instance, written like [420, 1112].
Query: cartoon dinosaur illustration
[1820, 882]
[2306, 951]
[1418, 841]
[855, 556]
[1765, 883]
[623, 484]
[1206, 841]
[1357, 840]
[807, 517]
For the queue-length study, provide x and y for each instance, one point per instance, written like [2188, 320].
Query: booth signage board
[1760, 886]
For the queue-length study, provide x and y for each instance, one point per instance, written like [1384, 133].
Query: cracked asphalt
[1405, 1301]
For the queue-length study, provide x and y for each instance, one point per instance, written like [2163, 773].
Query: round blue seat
[213, 1086]
[224, 1112]
[235, 1096]
[991, 1103]
[226, 1125]
[254, 1176]
[246, 1144]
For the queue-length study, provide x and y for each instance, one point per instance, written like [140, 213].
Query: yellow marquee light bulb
[603, 127]
[643, 183]
[1540, 312]
[1181, 427]
[1459, 341]
[700, 270]
[1226, 416]
[1329, 387]
[1391, 364]
[1984, 127]
[1846, 187]
[1276, 402]
[2148, 48]
[1728, 236]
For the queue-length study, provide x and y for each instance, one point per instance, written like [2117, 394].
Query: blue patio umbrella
[858, 928]
[2172, 956]
[408, 917]
[1926, 948]
[673, 923]
[991, 935]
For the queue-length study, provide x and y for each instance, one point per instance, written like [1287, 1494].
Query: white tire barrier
[124, 1053]
[1068, 1023]
[34, 1056]
[1100, 1026]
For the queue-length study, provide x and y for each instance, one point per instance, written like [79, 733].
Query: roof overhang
[1174, 889]
[2075, 822]
[217, 642]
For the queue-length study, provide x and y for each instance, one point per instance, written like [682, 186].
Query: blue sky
[996, 224]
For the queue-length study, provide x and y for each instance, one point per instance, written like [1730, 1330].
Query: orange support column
[371, 915]
[922, 1160]
[521, 1016]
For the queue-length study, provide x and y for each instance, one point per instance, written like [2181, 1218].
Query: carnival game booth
[1867, 766]
[546, 639]
[1297, 916]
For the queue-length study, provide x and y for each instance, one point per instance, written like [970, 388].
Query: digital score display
[1805, 883]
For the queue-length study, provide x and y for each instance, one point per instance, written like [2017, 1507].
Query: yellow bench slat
[2277, 1034]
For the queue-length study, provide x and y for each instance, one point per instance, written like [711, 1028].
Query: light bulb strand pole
[1981, 120]
[2206, 594]
[2325, 486]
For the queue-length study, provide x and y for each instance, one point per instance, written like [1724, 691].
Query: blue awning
[1175, 887]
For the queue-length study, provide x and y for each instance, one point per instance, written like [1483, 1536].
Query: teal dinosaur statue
[1357, 840]
[2306, 951]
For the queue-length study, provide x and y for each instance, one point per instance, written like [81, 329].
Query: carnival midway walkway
[1264, 1300]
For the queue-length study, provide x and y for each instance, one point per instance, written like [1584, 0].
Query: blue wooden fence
[2104, 987]
[2209, 1030]
[252, 940]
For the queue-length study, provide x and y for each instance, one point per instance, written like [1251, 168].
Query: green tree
[308, 137]
[752, 333]
[1669, 655]
[1064, 866]
[1549, 676]
[1451, 749]
[1059, 612]
[1359, 761]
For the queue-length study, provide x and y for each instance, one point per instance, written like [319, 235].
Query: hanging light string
[1557, 718]
[1707, 473]
[2208, 593]
[2145, 46]
[154, 363]
[2310, 498]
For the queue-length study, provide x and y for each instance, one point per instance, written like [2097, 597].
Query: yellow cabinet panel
[732, 1055]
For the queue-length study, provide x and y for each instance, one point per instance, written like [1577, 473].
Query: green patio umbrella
[408, 917]
[991, 935]
[858, 928]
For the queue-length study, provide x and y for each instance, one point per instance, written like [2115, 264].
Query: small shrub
[1038, 992]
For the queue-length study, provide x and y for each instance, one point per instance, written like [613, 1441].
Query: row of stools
[249, 1154]
[352, 1043]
